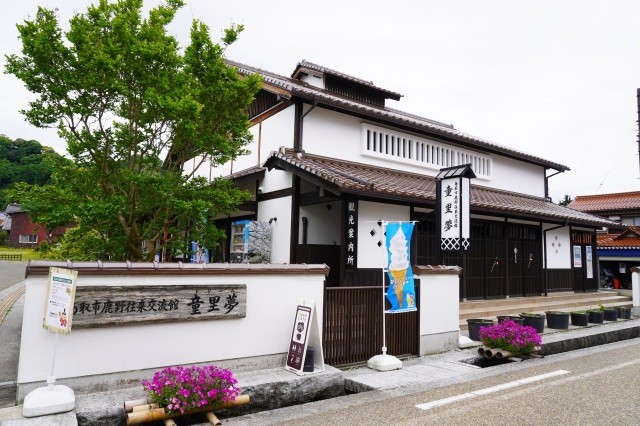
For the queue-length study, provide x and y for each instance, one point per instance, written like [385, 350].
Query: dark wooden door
[495, 260]
[583, 261]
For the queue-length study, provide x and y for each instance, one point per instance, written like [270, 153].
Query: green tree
[134, 110]
[566, 200]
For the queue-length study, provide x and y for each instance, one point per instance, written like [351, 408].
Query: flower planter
[503, 318]
[624, 312]
[580, 318]
[474, 325]
[558, 320]
[596, 317]
[610, 314]
[534, 320]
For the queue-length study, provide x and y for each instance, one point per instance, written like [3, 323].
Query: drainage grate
[487, 362]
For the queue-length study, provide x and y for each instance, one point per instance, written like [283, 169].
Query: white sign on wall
[61, 290]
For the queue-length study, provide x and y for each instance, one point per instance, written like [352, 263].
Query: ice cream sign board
[401, 293]
[453, 207]
[61, 289]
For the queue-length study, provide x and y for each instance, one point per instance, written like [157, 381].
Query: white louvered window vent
[395, 146]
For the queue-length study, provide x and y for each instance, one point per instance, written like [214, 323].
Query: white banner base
[384, 363]
[50, 399]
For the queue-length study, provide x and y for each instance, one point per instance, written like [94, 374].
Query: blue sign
[401, 293]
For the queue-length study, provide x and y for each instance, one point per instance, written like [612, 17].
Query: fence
[353, 326]
[11, 256]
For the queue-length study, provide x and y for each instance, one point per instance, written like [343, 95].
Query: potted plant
[475, 324]
[534, 320]
[596, 316]
[580, 318]
[624, 312]
[610, 314]
[558, 319]
[510, 337]
[503, 318]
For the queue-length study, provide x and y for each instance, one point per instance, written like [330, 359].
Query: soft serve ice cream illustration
[399, 263]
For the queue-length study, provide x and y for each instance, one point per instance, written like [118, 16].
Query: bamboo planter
[140, 411]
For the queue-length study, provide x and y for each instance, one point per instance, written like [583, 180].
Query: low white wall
[272, 298]
[439, 308]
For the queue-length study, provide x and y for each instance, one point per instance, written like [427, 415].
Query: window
[28, 239]
[405, 148]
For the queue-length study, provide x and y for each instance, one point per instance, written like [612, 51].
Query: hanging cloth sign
[401, 293]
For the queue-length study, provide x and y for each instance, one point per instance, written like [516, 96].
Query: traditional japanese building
[328, 149]
[618, 249]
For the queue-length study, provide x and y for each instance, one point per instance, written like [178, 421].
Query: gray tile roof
[290, 88]
[325, 70]
[348, 177]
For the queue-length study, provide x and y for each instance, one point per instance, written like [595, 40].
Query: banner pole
[52, 378]
[384, 297]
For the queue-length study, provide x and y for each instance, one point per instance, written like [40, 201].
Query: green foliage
[566, 200]
[135, 112]
[24, 161]
[4, 237]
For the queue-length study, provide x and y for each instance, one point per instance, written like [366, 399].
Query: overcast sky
[556, 79]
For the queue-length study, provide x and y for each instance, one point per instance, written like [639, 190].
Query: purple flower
[511, 337]
[182, 388]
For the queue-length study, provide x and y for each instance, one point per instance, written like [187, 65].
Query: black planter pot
[503, 318]
[474, 326]
[624, 312]
[596, 317]
[558, 320]
[579, 318]
[535, 321]
[610, 314]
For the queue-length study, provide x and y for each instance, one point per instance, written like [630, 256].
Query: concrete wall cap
[41, 267]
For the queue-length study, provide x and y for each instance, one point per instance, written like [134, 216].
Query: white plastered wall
[370, 255]
[326, 131]
[266, 330]
[280, 209]
[323, 223]
[558, 247]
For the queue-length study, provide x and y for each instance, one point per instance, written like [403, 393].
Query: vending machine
[250, 242]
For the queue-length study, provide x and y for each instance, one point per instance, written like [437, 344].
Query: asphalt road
[595, 386]
[11, 273]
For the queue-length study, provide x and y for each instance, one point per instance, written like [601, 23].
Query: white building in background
[324, 140]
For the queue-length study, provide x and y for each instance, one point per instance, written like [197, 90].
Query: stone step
[541, 305]
[490, 310]
[600, 295]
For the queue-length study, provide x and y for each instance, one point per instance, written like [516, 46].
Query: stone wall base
[438, 343]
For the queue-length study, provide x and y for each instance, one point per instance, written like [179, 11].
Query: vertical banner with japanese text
[401, 293]
[454, 214]
[58, 310]
[351, 232]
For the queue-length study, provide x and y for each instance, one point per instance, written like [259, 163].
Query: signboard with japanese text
[351, 232]
[58, 312]
[454, 214]
[106, 306]
[589, 258]
[298, 346]
[577, 256]
[305, 334]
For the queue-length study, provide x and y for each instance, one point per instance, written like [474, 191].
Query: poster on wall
[401, 293]
[589, 258]
[577, 256]
[58, 310]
